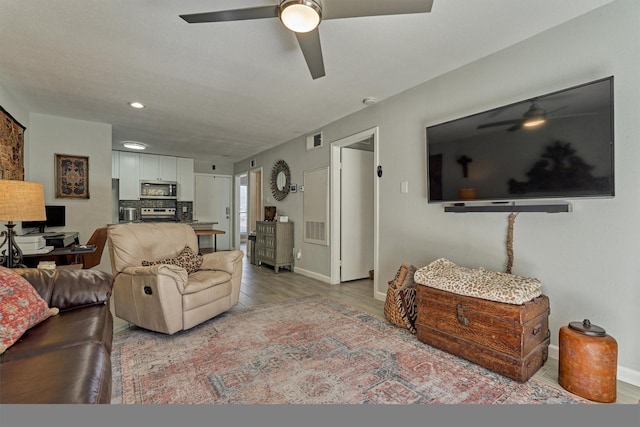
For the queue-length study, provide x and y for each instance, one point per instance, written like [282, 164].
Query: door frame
[336, 146]
[257, 187]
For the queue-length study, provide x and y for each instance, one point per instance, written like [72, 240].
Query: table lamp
[19, 201]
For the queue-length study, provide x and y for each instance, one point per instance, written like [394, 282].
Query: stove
[158, 215]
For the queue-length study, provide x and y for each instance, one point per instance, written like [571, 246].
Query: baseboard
[312, 274]
[626, 375]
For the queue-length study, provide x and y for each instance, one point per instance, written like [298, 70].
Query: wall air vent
[315, 230]
[314, 141]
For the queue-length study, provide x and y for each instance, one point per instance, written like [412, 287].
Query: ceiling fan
[533, 117]
[303, 17]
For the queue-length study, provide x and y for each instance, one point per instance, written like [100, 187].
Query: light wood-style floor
[260, 285]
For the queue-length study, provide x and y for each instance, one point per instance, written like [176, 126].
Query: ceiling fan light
[533, 122]
[300, 16]
[134, 145]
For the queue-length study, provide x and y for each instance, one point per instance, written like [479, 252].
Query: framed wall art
[11, 147]
[72, 177]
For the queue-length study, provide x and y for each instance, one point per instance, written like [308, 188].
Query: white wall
[315, 258]
[588, 259]
[50, 135]
[222, 168]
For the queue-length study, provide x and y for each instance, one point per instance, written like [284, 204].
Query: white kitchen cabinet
[154, 167]
[129, 184]
[186, 179]
[115, 164]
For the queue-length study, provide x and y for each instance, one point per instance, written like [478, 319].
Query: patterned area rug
[309, 350]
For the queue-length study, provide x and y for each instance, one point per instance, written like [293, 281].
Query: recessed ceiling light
[369, 101]
[133, 145]
[136, 104]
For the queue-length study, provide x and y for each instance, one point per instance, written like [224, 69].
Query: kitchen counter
[203, 225]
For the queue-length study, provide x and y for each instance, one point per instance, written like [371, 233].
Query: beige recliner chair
[164, 297]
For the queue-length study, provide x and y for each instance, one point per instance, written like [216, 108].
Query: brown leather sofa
[66, 358]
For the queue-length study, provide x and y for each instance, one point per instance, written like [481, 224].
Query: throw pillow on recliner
[187, 259]
[21, 307]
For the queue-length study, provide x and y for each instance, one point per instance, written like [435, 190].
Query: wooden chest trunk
[512, 340]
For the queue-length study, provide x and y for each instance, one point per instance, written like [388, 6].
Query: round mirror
[280, 180]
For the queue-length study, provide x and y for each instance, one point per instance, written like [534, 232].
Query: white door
[213, 204]
[356, 214]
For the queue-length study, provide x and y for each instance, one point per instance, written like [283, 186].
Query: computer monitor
[56, 217]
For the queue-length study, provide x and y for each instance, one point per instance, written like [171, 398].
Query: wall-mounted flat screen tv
[558, 145]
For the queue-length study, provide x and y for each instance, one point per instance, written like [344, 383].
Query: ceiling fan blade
[312, 51]
[233, 15]
[516, 126]
[566, 116]
[335, 9]
[503, 123]
[557, 109]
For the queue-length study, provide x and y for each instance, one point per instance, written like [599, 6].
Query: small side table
[209, 232]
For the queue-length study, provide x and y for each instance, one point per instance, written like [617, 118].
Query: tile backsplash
[181, 207]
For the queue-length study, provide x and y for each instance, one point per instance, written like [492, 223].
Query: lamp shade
[21, 201]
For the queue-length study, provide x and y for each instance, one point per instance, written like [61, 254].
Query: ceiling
[226, 91]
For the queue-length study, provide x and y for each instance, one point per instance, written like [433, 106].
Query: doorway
[354, 234]
[213, 204]
[254, 204]
[241, 229]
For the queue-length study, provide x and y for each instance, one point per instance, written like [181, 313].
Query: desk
[210, 232]
[60, 253]
[59, 239]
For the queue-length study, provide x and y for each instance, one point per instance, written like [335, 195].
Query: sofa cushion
[131, 243]
[71, 375]
[70, 289]
[69, 328]
[187, 259]
[21, 308]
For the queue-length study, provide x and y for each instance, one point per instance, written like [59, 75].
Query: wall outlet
[184, 209]
[299, 254]
[404, 186]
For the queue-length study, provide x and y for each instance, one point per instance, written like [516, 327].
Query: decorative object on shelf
[72, 177]
[467, 193]
[269, 213]
[11, 147]
[19, 201]
[464, 162]
[280, 180]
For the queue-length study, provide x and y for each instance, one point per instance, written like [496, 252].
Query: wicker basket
[391, 311]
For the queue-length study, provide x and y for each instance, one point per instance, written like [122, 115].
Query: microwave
[158, 190]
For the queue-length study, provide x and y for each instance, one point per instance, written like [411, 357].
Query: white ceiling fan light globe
[300, 16]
